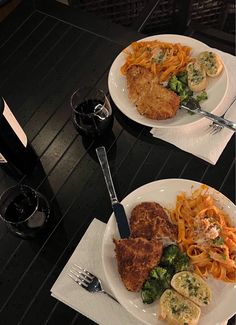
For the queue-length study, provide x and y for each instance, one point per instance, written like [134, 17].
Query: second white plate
[164, 192]
[216, 88]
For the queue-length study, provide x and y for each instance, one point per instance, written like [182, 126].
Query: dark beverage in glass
[91, 112]
[25, 211]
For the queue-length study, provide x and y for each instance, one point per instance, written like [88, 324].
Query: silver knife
[194, 107]
[117, 207]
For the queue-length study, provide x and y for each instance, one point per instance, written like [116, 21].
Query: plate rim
[152, 122]
[145, 187]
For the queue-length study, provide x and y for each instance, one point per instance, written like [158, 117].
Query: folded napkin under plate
[96, 306]
[197, 139]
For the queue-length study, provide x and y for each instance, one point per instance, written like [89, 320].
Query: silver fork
[193, 106]
[214, 127]
[87, 280]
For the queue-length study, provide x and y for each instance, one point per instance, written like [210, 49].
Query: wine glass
[24, 211]
[91, 111]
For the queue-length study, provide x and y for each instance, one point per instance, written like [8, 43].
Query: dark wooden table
[45, 55]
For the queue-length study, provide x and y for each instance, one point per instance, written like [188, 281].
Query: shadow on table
[108, 140]
[136, 129]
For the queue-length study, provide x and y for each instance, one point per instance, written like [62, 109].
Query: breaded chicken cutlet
[151, 99]
[149, 220]
[136, 257]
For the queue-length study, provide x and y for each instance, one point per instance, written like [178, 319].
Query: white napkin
[96, 306]
[197, 140]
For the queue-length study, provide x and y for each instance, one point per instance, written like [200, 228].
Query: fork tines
[80, 275]
[83, 271]
[214, 128]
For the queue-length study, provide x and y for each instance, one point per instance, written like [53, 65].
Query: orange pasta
[206, 234]
[162, 58]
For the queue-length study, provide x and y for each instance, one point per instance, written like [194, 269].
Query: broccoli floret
[185, 95]
[154, 274]
[202, 96]
[173, 257]
[149, 284]
[175, 85]
[148, 296]
[170, 255]
[182, 263]
[179, 88]
[152, 289]
[183, 77]
[163, 275]
[159, 280]
[172, 83]
[172, 261]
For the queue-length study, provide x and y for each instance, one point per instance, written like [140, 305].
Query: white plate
[164, 192]
[216, 88]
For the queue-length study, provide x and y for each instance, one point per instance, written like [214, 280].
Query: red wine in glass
[91, 112]
[25, 211]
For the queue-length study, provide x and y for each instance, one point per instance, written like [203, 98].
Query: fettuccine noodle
[162, 58]
[205, 233]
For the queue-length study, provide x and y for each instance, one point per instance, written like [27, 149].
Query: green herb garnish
[218, 241]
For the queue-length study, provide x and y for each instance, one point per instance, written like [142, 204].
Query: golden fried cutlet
[139, 81]
[149, 220]
[151, 99]
[136, 257]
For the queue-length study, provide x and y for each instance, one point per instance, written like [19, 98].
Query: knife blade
[117, 207]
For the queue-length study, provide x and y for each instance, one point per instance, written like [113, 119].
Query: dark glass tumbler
[91, 111]
[24, 211]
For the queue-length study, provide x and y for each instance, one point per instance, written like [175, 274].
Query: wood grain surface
[45, 55]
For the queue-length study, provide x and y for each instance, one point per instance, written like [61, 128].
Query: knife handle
[102, 157]
[121, 220]
[220, 120]
[194, 107]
